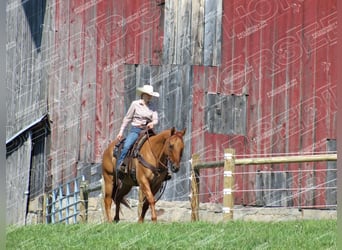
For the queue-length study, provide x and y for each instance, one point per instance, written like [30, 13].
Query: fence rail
[229, 164]
[272, 160]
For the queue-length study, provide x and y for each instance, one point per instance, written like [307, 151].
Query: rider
[142, 116]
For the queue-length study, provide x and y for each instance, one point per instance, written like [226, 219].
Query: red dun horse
[151, 170]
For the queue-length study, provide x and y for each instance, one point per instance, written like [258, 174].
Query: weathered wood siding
[17, 181]
[258, 76]
[26, 76]
[193, 32]
[281, 54]
[27, 63]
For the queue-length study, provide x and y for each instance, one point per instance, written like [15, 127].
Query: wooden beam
[286, 159]
[270, 160]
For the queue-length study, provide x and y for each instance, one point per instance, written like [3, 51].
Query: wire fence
[282, 187]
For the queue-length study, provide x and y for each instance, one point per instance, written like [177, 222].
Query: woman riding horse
[151, 170]
[142, 116]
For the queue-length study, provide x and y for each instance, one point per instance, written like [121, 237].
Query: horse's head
[174, 148]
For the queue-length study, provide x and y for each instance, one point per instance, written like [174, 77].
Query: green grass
[304, 234]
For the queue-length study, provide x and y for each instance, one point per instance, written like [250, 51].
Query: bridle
[155, 169]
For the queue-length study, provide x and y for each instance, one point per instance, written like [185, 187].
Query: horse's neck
[158, 141]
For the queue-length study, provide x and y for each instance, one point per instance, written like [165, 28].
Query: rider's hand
[150, 125]
[119, 137]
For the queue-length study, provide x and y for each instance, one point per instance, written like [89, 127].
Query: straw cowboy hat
[147, 89]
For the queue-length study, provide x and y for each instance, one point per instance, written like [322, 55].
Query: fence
[229, 164]
[67, 203]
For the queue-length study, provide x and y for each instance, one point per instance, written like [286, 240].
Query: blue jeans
[130, 140]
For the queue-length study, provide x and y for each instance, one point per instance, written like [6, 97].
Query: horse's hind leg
[117, 212]
[108, 190]
[119, 195]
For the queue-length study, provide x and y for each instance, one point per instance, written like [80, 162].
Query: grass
[303, 234]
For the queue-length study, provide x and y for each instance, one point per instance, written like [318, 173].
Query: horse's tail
[118, 196]
[125, 203]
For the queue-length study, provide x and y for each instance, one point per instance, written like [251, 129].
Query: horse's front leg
[145, 186]
[117, 197]
[143, 211]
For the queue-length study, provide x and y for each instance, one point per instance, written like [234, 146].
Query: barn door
[17, 181]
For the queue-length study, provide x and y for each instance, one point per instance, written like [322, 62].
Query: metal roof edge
[44, 117]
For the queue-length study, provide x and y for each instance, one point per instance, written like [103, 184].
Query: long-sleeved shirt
[139, 115]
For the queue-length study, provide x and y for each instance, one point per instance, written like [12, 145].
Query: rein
[154, 169]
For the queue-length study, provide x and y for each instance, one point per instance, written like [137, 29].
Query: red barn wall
[280, 54]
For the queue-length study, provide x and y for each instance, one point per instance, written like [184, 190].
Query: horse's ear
[173, 130]
[183, 131]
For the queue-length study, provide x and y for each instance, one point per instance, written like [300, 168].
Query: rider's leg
[130, 140]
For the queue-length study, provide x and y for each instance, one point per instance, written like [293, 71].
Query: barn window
[226, 114]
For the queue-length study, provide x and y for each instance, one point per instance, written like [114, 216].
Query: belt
[140, 127]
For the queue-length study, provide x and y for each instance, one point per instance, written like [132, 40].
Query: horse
[151, 169]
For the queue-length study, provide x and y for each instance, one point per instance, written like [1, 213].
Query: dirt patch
[180, 211]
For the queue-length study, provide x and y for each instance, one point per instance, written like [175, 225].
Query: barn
[256, 76]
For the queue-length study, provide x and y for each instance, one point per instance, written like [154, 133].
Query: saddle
[133, 152]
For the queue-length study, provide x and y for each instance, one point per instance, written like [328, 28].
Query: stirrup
[121, 175]
[121, 171]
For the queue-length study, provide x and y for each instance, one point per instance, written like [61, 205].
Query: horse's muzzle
[174, 168]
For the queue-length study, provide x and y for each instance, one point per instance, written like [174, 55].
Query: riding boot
[121, 171]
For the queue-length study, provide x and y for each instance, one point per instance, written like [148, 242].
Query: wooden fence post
[194, 188]
[84, 201]
[228, 182]
[45, 197]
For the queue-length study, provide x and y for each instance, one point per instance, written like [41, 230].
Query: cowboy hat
[147, 89]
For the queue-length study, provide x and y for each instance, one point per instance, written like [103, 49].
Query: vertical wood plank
[212, 31]
[183, 42]
[197, 32]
